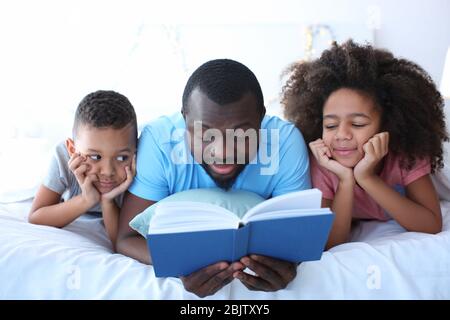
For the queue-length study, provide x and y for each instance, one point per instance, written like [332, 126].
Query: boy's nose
[107, 169]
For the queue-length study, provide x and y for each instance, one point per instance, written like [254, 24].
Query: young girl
[375, 127]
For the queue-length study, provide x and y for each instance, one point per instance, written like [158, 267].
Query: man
[222, 98]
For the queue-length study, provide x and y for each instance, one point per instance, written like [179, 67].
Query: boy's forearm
[342, 207]
[410, 215]
[110, 213]
[61, 214]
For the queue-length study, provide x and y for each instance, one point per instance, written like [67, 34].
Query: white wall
[45, 72]
[415, 29]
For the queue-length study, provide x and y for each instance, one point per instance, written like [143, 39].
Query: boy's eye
[330, 126]
[359, 125]
[95, 157]
[122, 158]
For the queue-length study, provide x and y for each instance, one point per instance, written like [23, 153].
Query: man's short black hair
[223, 81]
[105, 109]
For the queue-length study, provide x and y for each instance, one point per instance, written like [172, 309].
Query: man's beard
[221, 183]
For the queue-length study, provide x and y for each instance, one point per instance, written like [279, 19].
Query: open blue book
[186, 236]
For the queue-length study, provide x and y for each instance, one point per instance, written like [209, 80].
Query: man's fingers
[263, 271]
[253, 282]
[199, 277]
[210, 279]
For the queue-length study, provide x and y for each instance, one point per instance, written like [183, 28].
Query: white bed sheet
[383, 262]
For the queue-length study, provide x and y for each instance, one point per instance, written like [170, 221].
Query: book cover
[294, 235]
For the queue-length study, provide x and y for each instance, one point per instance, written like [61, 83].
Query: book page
[187, 216]
[305, 199]
[271, 215]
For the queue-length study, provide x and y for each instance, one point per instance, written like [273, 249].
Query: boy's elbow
[32, 217]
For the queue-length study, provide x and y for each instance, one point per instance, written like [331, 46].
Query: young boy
[92, 170]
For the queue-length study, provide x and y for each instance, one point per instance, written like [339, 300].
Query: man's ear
[70, 146]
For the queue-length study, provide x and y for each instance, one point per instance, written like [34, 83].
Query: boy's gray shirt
[61, 180]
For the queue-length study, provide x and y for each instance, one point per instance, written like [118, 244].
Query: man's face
[223, 138]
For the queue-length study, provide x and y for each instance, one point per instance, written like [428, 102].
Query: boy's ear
[70, 146]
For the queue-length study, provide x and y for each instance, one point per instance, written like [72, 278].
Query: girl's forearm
[61, 214]
[342, 207]
[409, 214]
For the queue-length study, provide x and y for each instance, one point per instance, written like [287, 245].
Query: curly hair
[103, 109]
[410, 104]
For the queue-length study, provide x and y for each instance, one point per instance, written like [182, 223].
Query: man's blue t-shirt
[166, 166]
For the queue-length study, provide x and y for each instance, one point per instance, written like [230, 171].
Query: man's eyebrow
[351, 115]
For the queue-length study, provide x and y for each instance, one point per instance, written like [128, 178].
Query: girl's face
[350, 119]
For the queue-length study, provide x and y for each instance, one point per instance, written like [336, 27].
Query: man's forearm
[135, 247]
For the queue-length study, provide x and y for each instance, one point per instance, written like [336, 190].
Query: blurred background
[55, 52]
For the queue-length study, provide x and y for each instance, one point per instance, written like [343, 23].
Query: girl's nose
[343, 133]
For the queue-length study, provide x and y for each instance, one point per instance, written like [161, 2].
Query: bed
[382, 262]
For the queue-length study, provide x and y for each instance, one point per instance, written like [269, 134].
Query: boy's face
[350, 119]
[108, 152]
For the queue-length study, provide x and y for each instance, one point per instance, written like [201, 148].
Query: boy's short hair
[223, 81]
[105, 109]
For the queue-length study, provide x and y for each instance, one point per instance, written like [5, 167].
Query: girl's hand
[374, 150]
[323, 156]
[131, 172]
[80, 168]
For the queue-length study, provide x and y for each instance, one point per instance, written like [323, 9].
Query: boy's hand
[210, 279]
[131, 173]
[271, 274]
[375, 149]
[323, 156]
[80, 168]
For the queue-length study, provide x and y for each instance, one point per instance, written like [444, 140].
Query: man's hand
[374, 150]
[322, 154]
[131, 173]
[271, 274]
[79, 167]
[210, 279]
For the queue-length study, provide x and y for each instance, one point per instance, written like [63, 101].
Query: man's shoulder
[284, 127]
[165, 128]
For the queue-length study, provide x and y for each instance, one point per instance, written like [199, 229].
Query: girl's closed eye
[359, 125]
